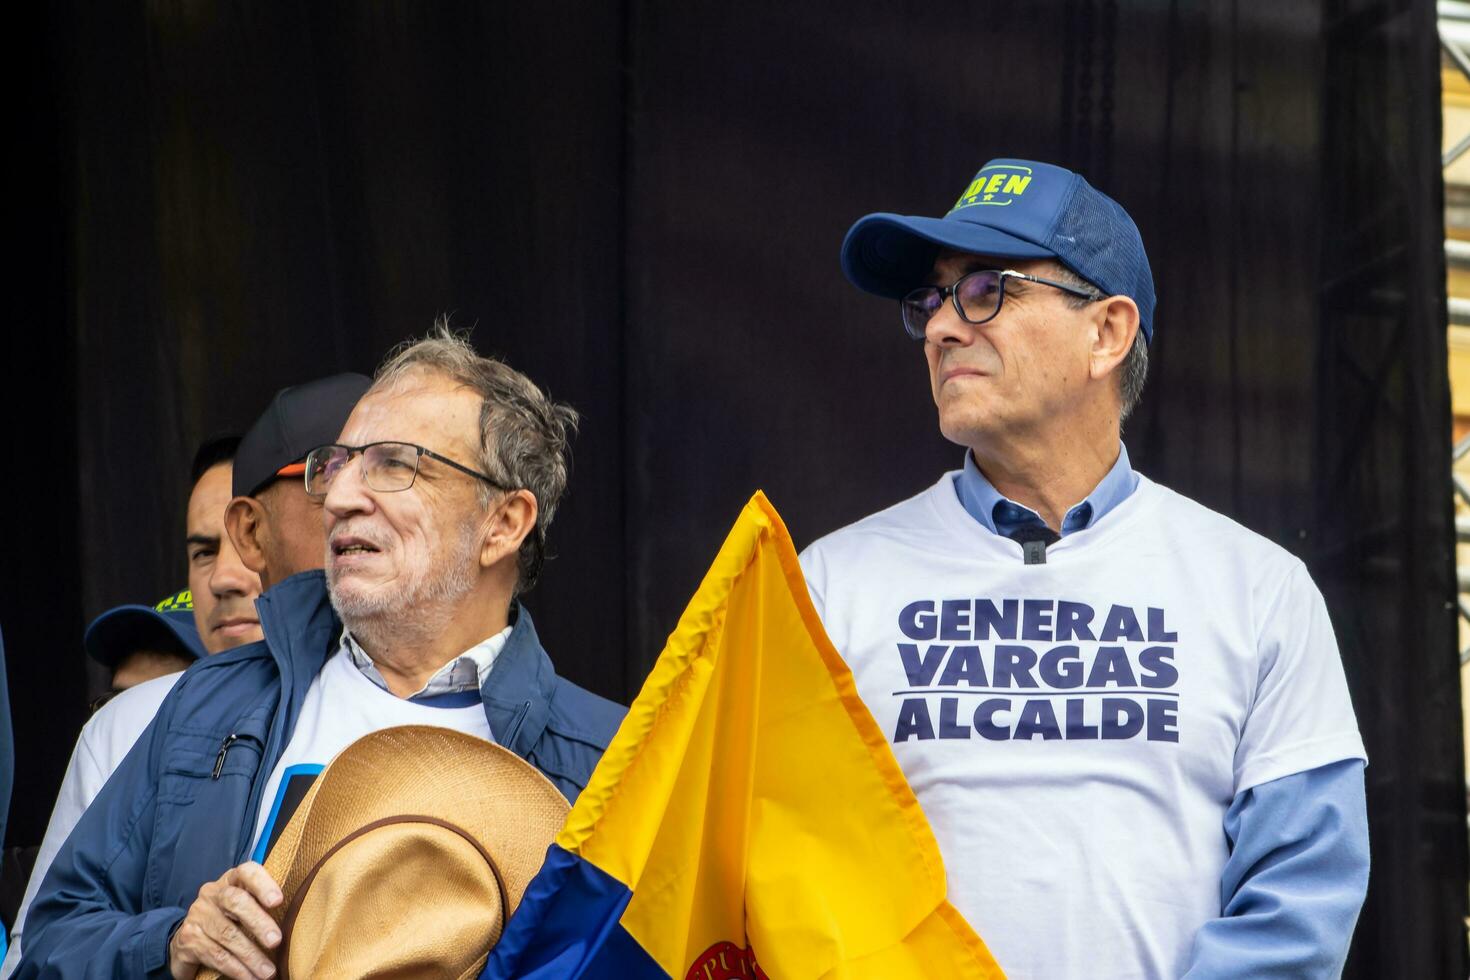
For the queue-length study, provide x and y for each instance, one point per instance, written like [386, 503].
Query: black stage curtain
[641, 204]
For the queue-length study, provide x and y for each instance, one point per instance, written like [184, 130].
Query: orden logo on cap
[407, 856]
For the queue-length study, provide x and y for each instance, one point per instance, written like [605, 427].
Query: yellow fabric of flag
[751, 803]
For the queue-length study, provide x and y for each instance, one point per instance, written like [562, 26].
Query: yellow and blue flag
[749, 819]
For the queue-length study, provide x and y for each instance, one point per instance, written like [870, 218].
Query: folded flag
[749, 819]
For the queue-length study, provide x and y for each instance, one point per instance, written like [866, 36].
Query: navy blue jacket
[181, 809]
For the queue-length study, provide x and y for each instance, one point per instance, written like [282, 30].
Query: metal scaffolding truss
[1454, 39]
[1385, 553]
[1462, 534]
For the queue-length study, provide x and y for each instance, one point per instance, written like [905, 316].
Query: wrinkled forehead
[421, 407]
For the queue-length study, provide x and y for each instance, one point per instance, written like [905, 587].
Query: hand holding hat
[407, 856]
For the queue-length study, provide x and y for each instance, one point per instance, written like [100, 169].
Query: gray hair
[1134, 369]
[525, 436]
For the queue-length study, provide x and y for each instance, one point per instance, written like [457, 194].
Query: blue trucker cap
[1013, 209]
[167, 626]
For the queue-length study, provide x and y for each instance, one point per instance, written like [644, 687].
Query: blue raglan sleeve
[88, 919]
[1295, 880]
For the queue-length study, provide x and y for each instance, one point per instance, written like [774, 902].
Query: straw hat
[407, 855]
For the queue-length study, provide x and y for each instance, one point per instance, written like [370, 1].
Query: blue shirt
[1298, 868]
[455, 685]
[1001, 515]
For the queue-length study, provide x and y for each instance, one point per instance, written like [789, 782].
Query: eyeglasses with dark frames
[387, 467]
[977, 297]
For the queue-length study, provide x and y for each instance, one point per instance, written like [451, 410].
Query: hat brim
[119, 632]
[889, 254]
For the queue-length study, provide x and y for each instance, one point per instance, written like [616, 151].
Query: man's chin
[966, 428]
[223, 640]
[355, 604]
[350, 583]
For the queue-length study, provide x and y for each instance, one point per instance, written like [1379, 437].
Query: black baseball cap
[166, 627]
[299, 419]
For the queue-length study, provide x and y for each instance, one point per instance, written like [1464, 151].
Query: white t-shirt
[105, 740]
[340, 707]
[1076, 730]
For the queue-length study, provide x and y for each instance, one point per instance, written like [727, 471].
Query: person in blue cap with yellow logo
[138, 643]
[1125, 715]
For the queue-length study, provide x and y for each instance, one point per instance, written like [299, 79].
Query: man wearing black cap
[216, 613]
[1124, 715]
[274, 531]
[274, 524]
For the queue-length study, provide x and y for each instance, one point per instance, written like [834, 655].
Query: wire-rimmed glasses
[387, 467]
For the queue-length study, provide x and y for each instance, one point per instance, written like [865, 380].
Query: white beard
[418, 608]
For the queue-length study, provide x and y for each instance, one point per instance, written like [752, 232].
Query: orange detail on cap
[291, 469]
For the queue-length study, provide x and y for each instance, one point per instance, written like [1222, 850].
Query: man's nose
[229, 575]
[348, 493]
[946, 329]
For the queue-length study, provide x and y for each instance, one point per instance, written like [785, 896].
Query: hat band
[288, 923]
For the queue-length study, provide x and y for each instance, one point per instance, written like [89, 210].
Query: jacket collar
[517, 693]
[300, 629]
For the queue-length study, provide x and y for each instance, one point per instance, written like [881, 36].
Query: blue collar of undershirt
[1000, 515]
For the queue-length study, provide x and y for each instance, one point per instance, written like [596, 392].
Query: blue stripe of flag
[567, 926]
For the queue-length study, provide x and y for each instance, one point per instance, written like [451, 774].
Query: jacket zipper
[227, 744]
[515, 726]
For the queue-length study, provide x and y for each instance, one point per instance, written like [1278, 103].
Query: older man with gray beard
[436, 501]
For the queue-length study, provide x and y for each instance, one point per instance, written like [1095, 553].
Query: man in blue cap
[137, 643]
[1124, 715]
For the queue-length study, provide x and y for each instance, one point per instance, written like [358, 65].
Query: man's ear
[1117, 324]
[507, 526]
[245, 524]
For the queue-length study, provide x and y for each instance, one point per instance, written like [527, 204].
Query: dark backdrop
[640, 205]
